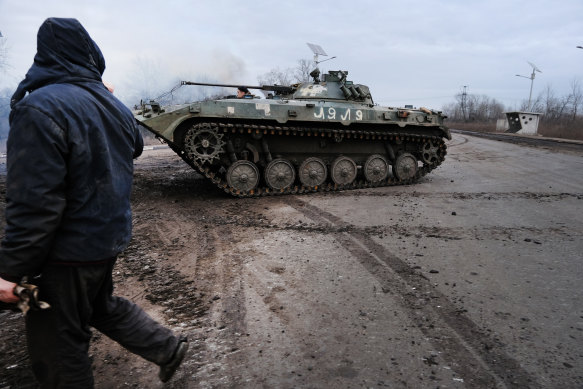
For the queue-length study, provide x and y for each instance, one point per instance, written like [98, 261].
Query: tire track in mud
[538, 196]
[437, 232]
[457, 141]
[219, 276]
[215, 294]
[161, 264]
[476, 356]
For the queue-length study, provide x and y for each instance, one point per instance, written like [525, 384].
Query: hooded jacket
[69, 160]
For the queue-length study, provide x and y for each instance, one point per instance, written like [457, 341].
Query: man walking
[69, 177]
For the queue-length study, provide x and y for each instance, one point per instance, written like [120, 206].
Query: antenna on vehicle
[534, 70]
[318, 50]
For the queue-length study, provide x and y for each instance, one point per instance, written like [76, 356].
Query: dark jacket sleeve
[139, 142]
[35, 192]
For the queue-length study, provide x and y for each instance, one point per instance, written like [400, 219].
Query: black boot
[168, 370]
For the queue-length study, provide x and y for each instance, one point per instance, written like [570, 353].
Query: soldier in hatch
[243, 93]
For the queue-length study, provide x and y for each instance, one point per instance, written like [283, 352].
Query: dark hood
[65, 53]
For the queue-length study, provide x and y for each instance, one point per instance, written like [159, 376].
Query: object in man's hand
[28, 295]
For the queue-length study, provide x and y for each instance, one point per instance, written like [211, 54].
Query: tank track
[313, 132]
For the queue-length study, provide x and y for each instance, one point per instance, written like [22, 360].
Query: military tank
[323, 135]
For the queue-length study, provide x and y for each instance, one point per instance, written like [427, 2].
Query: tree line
[554, 108]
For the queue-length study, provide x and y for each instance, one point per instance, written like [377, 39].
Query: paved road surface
[469, 279]
[472, 278]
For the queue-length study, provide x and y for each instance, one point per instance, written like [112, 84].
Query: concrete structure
[525, 123]
[502, 125]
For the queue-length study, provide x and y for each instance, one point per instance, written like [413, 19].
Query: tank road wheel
[376, 168]
[243, 175]
[313, 172]
[405, 167]
[430, 152]
[279, 174]
[343, 171]
[203, 143]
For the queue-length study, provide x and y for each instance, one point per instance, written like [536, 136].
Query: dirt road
[469, 279]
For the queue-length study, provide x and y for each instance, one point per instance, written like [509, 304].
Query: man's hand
[7, 291]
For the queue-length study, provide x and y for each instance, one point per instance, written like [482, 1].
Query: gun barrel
[219, 85]
[276, 88]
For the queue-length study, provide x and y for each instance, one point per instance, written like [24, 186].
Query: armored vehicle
[322, 135]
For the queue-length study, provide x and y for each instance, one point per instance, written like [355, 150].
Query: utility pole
[464, 100]
[534, 69]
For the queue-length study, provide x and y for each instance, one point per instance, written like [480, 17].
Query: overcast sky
[419, 52]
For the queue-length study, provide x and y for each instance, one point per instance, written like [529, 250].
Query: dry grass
[473, 126]
[573, 130]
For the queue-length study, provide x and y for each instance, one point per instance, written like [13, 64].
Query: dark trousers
[80, 297]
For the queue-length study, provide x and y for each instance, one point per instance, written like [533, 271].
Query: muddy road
[469, 279]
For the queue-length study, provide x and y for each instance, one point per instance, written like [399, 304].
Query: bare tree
[288, 76]
[143, 81]
[5, 95]
[537, 104]
[303, 70]
[475, 108]
[3, 52]
[276, 76]
[453, 111]
[552, 107]
[149, 80]
[576, 98]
